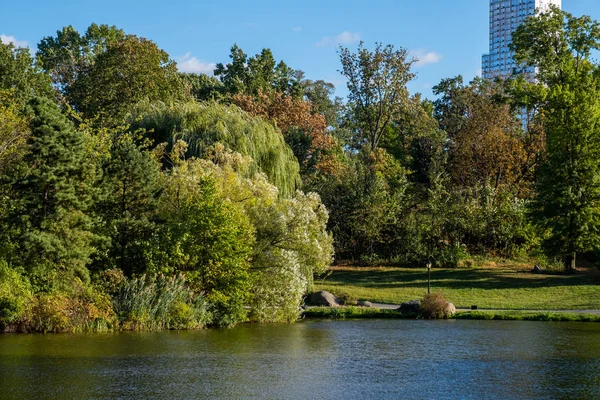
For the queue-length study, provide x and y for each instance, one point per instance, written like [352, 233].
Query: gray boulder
[323, 298]
[364, 303]
[411, 307]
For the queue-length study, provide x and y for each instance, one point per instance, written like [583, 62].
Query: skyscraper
[505, 17]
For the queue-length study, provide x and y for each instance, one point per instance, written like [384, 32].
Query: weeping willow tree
[201, 125]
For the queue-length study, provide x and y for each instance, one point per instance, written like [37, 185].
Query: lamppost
[429, 277]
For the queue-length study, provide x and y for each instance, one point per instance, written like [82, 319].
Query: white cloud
[424, 58]
[297, 29]
[345, 37]
[187, 63]
[11, 39]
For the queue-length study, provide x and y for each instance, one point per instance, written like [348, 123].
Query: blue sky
[448, 35]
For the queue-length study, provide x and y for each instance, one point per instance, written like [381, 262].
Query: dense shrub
[82, 309]
[366, 202]
[450, 226]
[278, 288]
[15, 294]
[434, 306]
[110, 280]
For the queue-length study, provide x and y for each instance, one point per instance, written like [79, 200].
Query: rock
[536, 269]
[364, 303]
[323, 298]
[410, 307]
[450, 309]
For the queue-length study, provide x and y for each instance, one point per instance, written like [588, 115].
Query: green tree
[69, 53]
[14, 131]
[130, 70]
[451, 108]
[261, 73]
[291, 243]
[52, 197]
[414, 122]
[320, 93]
[202, 87]
[203, 125]
[377, 89]
[131, 186]
[366, 202]
[19, 74]
[105, 71]
[207, 237]
[234, 75]
[568, 196]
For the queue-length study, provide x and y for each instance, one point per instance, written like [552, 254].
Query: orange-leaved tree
[305, 131]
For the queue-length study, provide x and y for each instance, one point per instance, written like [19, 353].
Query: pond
[358, 359]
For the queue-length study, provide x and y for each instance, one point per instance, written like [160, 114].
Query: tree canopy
[203, 125]
[104, 72]
[20, 75]
[377, 88]
[568, 195]
[260, 73]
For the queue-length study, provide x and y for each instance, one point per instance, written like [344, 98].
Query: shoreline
[353, 312]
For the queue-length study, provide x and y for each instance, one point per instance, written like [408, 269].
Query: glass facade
[505, 17]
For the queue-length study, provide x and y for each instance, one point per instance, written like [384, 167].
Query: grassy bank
[507, 287]
[349, 312]
[365, 313]
[528, 316]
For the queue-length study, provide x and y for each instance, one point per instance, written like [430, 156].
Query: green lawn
[508, 288]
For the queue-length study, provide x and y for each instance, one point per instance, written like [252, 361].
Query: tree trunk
[570, 262]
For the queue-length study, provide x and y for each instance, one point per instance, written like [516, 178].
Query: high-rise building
[505, 17]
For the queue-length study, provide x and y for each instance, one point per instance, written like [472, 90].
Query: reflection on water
[322, 359]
